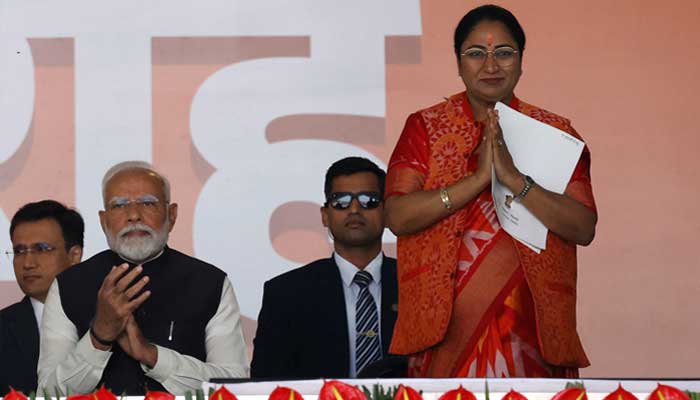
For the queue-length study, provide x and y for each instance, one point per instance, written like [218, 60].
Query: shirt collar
[38, 308]
[142, 262]
[348, 270]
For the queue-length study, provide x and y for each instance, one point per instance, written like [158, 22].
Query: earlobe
[75, 254]
[172, 214]
[324, 217]
[103, 223]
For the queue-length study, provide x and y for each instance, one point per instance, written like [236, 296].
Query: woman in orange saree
[473, 301]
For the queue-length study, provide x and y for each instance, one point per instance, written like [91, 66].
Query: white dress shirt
[38, 308]
[74, 365]
[351, 292]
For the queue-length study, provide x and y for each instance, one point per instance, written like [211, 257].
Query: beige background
[625, 73]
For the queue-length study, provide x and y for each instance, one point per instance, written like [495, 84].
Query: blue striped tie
[367, 348]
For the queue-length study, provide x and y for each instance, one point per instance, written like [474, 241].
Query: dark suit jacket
[302, 327]
[19, 347]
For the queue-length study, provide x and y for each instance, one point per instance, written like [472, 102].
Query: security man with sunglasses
[334, 318]
[47, 238]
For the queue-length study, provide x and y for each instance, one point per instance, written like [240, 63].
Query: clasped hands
[493, 151]
[114, 320]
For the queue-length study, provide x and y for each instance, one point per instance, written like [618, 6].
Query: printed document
[546, 154]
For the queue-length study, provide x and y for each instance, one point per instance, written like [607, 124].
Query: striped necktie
[367, 346]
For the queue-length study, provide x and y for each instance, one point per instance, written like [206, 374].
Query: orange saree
[472, 301]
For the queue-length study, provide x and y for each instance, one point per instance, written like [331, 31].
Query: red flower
[620, 394]
[664, 392]
[155, 395]
[336, 390]
[222, 394]
[407, 393]
[458, 394]
[573, 393]
[103, 394]
[285, 393]
[14, 395]
[513, 395]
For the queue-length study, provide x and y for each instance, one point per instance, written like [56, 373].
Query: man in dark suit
[46, 239]
[335, 316]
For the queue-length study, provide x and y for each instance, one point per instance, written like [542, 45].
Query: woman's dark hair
[350, 166]
[489, 12]
[70, 221]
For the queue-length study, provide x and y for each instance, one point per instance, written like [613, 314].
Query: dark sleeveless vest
[185, 293]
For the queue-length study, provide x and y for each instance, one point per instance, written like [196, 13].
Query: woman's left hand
[506, 172]
[561, 214]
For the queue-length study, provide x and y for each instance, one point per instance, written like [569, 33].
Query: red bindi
[489, 39]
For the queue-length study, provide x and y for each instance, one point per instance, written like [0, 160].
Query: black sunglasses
[342, 200]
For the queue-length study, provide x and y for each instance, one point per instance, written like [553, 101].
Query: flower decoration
[103, 394]
[513, 395]
[664, 392]
[285, 393]
[620, 394]
[573, 393]
[407, 393]
[14, 395]
[336, 390]
[156, 395]
[458, 394]
[222, 394]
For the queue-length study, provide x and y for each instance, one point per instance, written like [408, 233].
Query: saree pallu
[467, 306]
[503, 342]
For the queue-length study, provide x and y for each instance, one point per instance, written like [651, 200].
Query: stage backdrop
[244, 104]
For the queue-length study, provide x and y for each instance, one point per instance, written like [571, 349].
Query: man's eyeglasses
[342, 200]
[38, 249]
[146, 203]
[503, 56]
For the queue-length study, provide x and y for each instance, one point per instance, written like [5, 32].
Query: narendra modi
[139, 316]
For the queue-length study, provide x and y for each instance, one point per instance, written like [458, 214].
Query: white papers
[548, 155]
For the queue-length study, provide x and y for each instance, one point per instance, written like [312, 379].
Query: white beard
[139, 249]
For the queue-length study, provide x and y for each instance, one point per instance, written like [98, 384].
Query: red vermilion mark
[489, 39]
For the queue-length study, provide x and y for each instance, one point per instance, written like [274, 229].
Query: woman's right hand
[485, 152]
[413, 212]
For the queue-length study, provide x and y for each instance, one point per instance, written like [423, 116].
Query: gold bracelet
[445, 197]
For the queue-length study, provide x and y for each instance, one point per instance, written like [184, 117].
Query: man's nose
[133, 212]
[355, 206]
[29, 260]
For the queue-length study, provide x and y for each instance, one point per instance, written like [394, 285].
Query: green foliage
[693, 395]
[47, 396]
[188, 395]
[577, 385]
[199, 394]
[378, 392]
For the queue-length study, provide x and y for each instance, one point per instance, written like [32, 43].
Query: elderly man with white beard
[140, 316]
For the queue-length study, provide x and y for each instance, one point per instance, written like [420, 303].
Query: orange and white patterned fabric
[472, 301]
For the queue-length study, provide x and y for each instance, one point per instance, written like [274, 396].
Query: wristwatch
[528, 185]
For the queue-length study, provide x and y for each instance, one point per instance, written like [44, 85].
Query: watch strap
[99, 340]
[529, 182]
